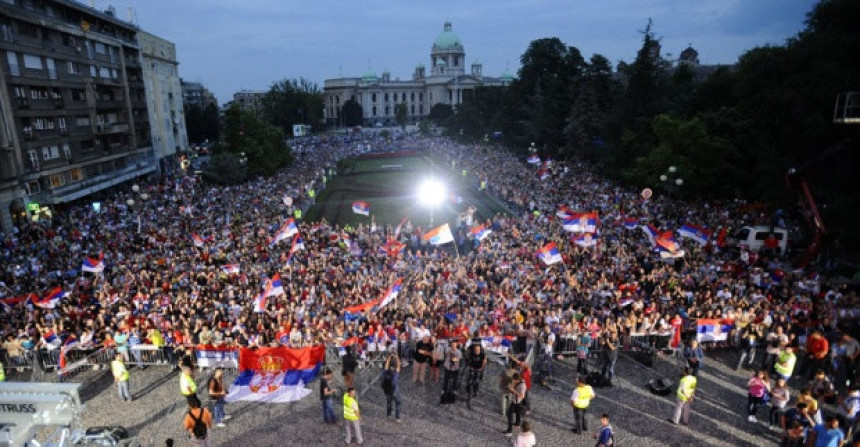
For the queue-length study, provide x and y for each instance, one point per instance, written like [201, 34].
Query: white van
[752, 238]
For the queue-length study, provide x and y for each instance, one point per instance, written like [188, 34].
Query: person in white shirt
[526, 438]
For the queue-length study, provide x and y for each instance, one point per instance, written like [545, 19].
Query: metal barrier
[21, 362]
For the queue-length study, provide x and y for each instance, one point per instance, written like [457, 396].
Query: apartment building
[73, 104]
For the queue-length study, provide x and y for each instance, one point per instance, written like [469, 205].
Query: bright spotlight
[431, 192]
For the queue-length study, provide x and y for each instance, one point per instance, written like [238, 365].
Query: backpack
[199, 428]
[387, 382]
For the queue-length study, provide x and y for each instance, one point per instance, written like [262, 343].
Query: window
[61, 123]
[6, 30]
[12, 58]
[113, 54]
[33, 62]
[456, 61]
[104, 72]
[412, 96]
[386, 98]
[373, 97]
[39, 93]
[100, 48]
[20, 91]
[374, 110]
[34, 159]
[89, 46]
[58, 180]
[67, 151]
[50, 152]
[73, 67]
[79, 95]
[52, 69]
[421, 96]
[94, 71]
[76, 175]
[82, 120]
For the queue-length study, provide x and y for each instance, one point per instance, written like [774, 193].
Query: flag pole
[456, 250]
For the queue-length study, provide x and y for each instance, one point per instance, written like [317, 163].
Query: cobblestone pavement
[639, 418]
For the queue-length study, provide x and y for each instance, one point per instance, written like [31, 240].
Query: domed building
[444, 84]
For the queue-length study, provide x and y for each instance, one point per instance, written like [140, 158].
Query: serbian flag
[564, 213]
[399, 227]
[50, 338]
[549, 254]
[287, 230]
[698, 234]
[481, 233]
[391, 293]
[533, 160]
[630, 223]
[298, 244]
[543, 174]
[260, 303]
[198, 241]
[581, 223]
[70, 343]
[276, 374]
[713, 329]
[275, 286]
[230, 269]
[94, 265]
[393, 247]
[352, 312]
[360, 207]
[439, 235]
[585, 240]
[651, 233]
[668, 247]
[50, 300]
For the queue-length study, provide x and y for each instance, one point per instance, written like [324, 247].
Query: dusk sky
[231, 45]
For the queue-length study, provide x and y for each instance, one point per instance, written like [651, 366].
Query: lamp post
[671, 179]
[136, 205]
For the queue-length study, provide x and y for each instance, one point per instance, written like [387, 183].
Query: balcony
[59, 103]
[29, 134]
[22, 103]
[111, 128]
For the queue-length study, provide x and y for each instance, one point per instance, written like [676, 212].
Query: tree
[352, 113]
[292, 101]
[440, 113]
[202, 124]
[401, 114]
[261, 144]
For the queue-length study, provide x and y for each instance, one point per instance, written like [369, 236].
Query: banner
[708, 330]
[275, 374]
[209, 356]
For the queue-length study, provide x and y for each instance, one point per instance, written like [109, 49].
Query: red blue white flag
[439, 235]
[288, 229]
[276, 374]
[361, 207]
[480, 233]
[549, 254]
[94, 265]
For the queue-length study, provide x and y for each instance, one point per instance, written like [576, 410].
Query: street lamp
[135, 206]
[673, 179]
[431, 193]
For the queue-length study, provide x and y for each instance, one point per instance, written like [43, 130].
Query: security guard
[187, 385]
[686, 390]
[579, 400]
[120, 376]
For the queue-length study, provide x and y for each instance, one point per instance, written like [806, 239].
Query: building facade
[164, 99]
[444, 84]
[74, 112]
[195, 94]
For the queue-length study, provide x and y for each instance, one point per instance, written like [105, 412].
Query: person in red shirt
[817, 349]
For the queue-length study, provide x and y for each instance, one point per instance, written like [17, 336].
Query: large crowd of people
[161, 286]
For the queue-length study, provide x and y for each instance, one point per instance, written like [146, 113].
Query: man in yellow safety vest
[579, 400]
[120, 376]
[352, 417]
[686, 391]
[187, 385]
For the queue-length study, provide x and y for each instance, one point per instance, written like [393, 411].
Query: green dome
[369, 75]
[448, 40]
[507, 76]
